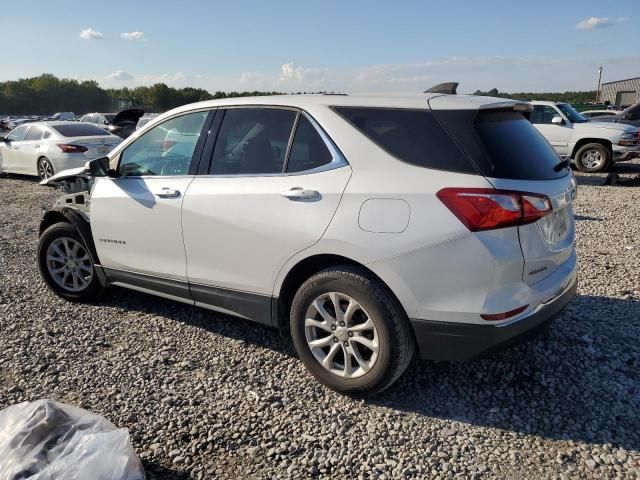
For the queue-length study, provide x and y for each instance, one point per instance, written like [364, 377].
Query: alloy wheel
[341, 335]
[45, 169]
[69, 264]
[592, 159]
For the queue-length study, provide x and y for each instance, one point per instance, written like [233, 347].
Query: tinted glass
[516, 149]
[414, 136]
[166, 149]
[108, 117]
[252, 141]
[17, 134]
[308, 150]
[34, 133]
[79, 130]
[543, 114]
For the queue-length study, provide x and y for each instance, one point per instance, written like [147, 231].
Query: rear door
[29, 151]
[272, 186]
[136, 218]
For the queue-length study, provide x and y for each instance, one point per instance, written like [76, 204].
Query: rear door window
[308, 150]
[543, 114]
[34, 133]
[252, 141]
[413, 136]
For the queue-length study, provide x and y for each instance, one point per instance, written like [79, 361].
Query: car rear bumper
[464, 341]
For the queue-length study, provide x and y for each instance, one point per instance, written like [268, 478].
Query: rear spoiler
[514, 105]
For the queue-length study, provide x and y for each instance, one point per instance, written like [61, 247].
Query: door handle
[36, 146]
[168, 193]
[298, 193]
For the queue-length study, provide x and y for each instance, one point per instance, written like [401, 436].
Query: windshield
[571, 113]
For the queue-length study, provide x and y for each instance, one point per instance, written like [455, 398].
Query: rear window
[502, 144]
[80, 130]
[413, 136]
[516, 149]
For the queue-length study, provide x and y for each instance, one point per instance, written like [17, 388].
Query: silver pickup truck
[593, 146]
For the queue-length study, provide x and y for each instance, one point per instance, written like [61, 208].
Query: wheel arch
[82, 226]
[584, 141]
[303, 270]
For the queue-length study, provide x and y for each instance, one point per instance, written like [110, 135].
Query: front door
[136, 217]
[273, 185]
[11, 150]
[558, 135]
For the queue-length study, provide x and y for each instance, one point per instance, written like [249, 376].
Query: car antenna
[448, 88]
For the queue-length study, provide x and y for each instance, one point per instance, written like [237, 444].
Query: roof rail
[448, 88]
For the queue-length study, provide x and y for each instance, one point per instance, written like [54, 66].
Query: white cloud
[297, 76]
[250, 77]
[91, 34]
[133, 36]
[120, 76]
[593, 22]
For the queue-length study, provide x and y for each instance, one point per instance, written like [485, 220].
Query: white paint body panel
[129, 210]
[239, 231]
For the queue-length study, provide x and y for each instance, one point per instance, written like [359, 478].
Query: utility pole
[599, 80]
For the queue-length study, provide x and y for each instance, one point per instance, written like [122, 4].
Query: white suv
[593, 145]
[366, 226]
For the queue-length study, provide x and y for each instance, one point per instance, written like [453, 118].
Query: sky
[349, 46]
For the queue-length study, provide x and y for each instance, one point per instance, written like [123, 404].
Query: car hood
[78, 172]
[611, 126]
[128, 115]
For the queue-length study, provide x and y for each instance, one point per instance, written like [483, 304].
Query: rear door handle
[298, 193]
[167, 192]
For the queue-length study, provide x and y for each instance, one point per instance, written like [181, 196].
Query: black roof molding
[448, 88]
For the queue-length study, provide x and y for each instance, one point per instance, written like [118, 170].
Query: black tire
[62, 230]
[584, 153]
[44, 166]
[396, 343]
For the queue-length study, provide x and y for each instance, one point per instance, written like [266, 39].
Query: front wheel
[350, 331]
[592, 158]
[66, 264]
[45, 169]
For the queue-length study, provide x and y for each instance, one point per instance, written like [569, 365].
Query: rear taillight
[66, 148]
[486, 208]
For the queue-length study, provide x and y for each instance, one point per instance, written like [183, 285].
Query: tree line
[47, 94]
[577, 98]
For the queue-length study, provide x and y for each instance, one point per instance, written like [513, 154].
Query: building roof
[625, 80]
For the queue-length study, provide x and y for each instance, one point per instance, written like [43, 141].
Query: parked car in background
[146, 118]
[46, 148]
[4, 124]
[122, 123]
[593, 146]
[364, 226]
[64, 116]
[599, 114]
[628, 116]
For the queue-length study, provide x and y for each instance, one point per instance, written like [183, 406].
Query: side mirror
[99, 167]
[557, 120]
[6, 140]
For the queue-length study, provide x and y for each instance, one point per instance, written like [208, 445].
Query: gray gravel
[209, 396]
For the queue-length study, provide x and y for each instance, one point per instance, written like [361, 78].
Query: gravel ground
[209, 396]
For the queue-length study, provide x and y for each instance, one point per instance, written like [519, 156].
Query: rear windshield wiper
[562, 165]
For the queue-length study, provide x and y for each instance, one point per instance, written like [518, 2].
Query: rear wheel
[593, 157]
[45, 169]
[66, 264]
[350, 332]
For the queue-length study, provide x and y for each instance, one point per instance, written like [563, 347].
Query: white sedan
[46, 148]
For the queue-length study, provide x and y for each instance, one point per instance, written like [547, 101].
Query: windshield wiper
[562, 165]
